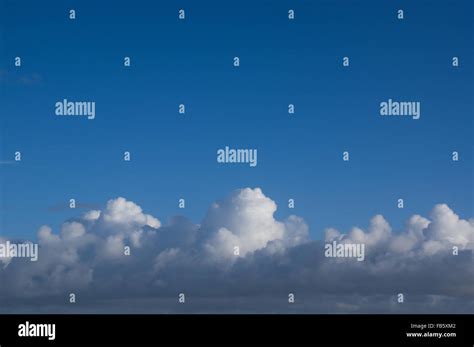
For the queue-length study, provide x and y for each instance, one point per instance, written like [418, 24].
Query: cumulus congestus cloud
[87, 256]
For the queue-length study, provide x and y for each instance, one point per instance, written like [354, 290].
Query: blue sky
[190, 62]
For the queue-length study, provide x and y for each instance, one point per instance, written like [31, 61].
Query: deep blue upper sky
[190, 62]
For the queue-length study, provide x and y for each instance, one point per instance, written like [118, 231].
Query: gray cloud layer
[275, 258]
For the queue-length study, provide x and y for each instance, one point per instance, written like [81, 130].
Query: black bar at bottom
[445, 330]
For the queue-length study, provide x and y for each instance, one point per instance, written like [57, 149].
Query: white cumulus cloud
[87, 256]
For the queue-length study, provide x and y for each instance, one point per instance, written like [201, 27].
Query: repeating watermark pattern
[312, 141]
[345, 250]
[75, 108]
[19, 250]
[400, 108]
[230, 155]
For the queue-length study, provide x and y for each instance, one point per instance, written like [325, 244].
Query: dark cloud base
[277, 258]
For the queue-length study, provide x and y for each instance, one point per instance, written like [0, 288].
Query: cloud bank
[241, 259]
